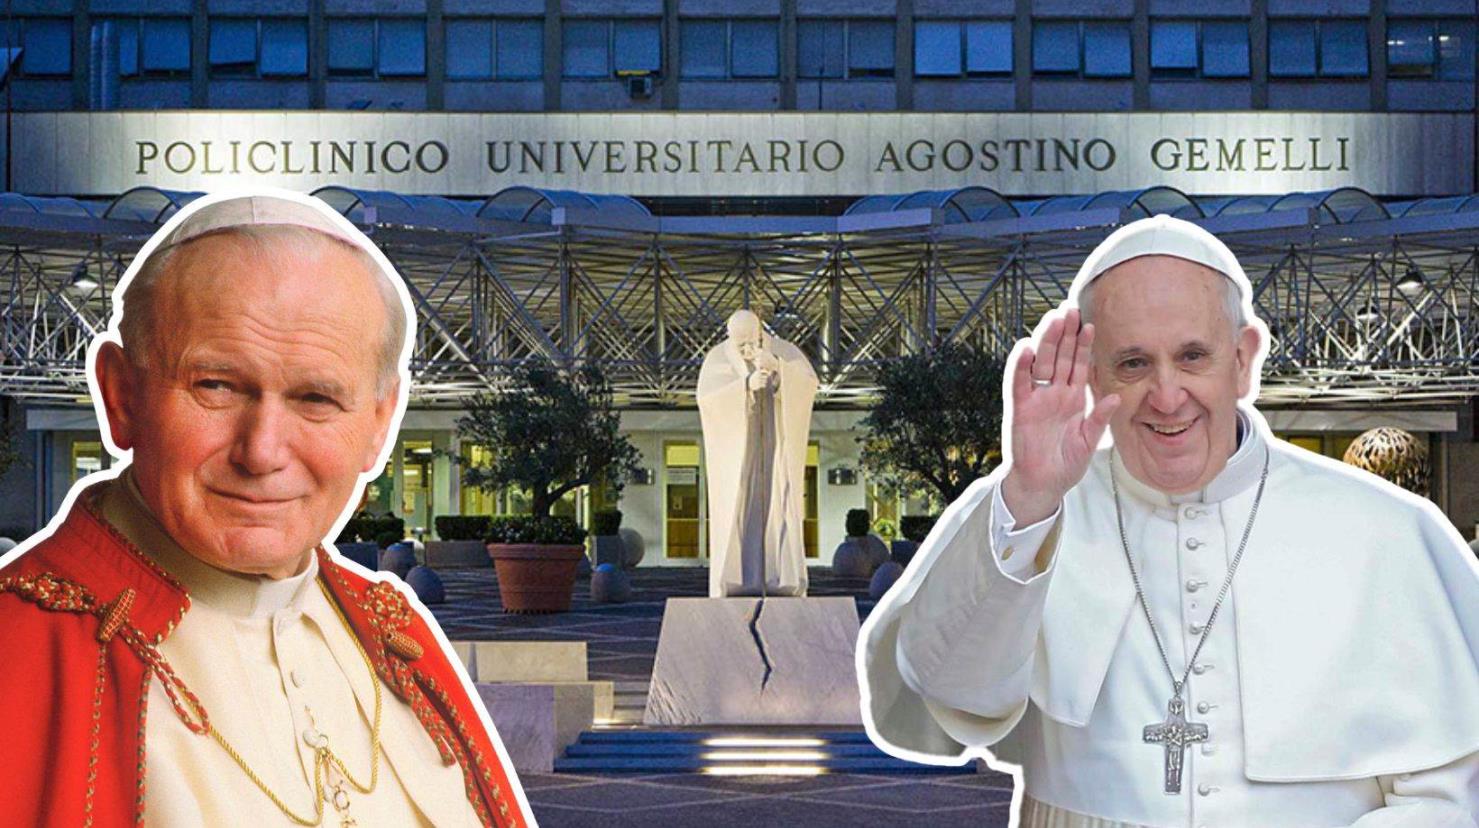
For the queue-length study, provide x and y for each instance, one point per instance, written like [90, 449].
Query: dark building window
[45, 45]
[385, 48]
[1099, 49]
[602, 48]
[963, 48]
[1206, 49]
[845, 48]
[400, 50]
[485, 48]
[729, 48]
[268, 48]
[1437, 48]
[155, 46]
[1317, 48]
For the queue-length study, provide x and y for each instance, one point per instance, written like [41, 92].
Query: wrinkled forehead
[270, 291]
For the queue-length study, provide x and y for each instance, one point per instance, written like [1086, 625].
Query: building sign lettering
[746, 154]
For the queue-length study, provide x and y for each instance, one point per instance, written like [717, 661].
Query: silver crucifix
[1176, 734]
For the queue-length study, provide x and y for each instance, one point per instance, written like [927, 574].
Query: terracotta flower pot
[533, 577]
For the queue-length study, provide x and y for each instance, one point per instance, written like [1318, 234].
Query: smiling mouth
[1170, 429]
[254, 501]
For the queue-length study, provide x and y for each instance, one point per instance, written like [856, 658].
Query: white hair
[1232, 301]
[139, 324]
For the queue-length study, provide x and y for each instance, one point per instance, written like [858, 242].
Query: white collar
[1242, 471]
[244, 596]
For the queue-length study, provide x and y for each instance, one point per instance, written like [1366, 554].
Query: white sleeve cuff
[1016, 549]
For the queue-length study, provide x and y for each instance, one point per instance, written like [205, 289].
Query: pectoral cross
[1176, 734]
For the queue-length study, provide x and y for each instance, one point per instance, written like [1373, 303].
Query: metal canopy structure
[1369, 303]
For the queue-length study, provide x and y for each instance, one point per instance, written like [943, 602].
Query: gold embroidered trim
[116, 614]
[143, 755]
[403, 645]
[48, 591]
[88, 501]
[95, 740]
[388, 613]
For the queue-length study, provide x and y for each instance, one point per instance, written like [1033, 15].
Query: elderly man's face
[258, 411]
[747, 341]
[1164, 344]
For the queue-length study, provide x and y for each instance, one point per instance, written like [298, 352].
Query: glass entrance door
[683, 518]
[416, 486]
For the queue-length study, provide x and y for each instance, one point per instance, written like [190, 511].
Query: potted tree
[461, 541]
[549, 433]
[536, 558]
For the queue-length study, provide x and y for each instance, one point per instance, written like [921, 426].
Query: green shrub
[386, 538]
[545, 530]
[857, 523]
[917, 527]
[367, 527]
[606, 522]
[462, 527]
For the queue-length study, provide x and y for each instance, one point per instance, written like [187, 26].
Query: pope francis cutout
[754, 400]
[1199, 624]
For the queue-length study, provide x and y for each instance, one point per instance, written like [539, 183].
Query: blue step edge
[696, 748]
[626, 736]
[678, 764]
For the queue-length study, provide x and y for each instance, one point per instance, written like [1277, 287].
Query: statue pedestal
[752, 661]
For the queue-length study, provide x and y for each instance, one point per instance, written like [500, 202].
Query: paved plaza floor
[621, 643]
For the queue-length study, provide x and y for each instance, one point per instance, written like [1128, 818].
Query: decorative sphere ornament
[884, 577]
[398, 558]
[851, 560]
[633, 546]
[610, 585]
[1394, 455]
[427, 584]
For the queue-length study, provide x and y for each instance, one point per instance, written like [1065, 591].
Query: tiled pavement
[621, 642]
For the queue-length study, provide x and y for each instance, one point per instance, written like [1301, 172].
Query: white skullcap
[258, 210]
[1161, 236]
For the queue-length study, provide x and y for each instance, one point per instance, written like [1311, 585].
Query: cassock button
[297, 678]
[1203, 707]
[1192, 513]
[1193, 544]
[1200, 668]
[1196, 629]
[1192, 585]
[1204, 790]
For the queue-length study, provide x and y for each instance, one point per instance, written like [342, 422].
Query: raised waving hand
[1052, 439]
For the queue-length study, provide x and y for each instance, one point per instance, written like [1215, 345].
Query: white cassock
[1339, 682]
[272, 661]
[756, 528]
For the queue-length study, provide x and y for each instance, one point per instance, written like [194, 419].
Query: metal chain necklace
[325, 762]
[1176, 734]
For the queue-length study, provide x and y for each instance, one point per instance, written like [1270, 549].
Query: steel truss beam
[1357, 315]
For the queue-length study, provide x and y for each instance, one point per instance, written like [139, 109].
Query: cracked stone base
[710, 668]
